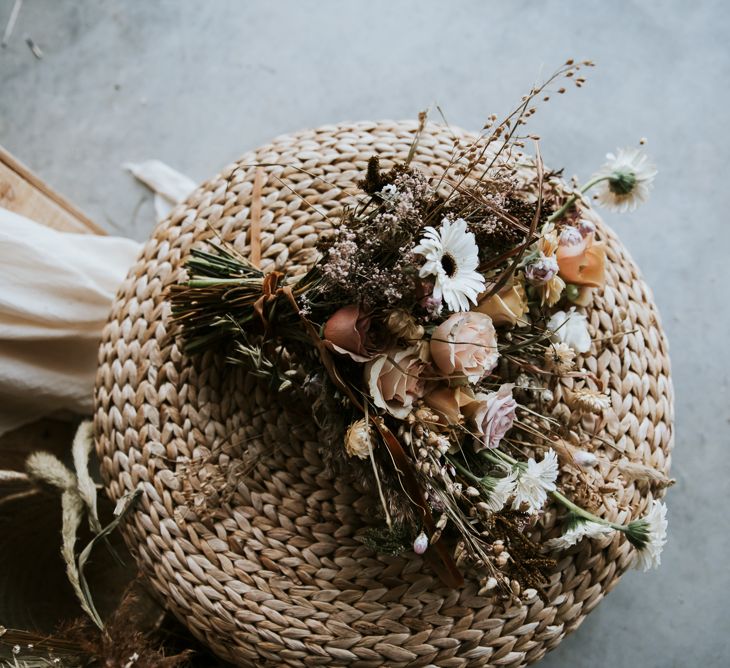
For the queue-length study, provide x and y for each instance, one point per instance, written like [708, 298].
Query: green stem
[572, 199]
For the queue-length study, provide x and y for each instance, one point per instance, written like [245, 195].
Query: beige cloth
[56, 290]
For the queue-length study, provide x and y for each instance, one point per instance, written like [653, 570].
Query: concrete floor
[196, 84]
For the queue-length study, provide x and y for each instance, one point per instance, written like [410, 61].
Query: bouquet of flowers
[428, 337]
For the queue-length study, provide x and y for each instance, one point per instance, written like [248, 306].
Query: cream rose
[492, 415]
[395, 380]
[465, 345]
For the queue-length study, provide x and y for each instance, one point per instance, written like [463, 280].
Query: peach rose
[346, 332]
[395, 380]
[448, 402]
[465, 344]
[507, 307]
[492, 415]
[581, 260]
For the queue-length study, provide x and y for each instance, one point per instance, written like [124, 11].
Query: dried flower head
[542, 269]
[551, 291]
[589, 401]
[560, 358]
[359, 439]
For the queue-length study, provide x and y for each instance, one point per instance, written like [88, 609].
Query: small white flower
[390, 195]
[499, 490]
[452, 257]
[579, 530]
[629, 177]
[649, 535]
[571, 328]
[535, 481]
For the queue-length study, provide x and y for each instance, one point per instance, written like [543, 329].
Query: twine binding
[242, 532]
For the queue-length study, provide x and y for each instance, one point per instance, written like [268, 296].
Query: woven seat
[243, 532]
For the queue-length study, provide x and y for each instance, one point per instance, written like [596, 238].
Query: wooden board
[24, 193]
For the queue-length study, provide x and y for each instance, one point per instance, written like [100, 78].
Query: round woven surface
[243, 533]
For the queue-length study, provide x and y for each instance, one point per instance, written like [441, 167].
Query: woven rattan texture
[240, 530]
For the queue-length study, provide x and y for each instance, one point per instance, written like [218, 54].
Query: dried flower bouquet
[427, 337]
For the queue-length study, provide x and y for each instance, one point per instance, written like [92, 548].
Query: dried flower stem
[388, 521]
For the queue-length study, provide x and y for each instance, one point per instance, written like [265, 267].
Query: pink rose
[395, 380]
[346, 332]
[465, 344]
[493, 415]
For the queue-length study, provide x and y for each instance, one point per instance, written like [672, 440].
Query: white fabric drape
[56, 290]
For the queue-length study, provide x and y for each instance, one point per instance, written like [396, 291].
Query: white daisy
[499, 490]
[628, 177]
[452, 257]
[649, 535]
[577, 531]
[535, 481]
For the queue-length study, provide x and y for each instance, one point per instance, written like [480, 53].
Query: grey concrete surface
[197, 83]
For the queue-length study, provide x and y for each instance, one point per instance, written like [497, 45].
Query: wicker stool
[240, 529]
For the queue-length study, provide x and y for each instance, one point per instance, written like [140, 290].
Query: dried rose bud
[542, 270]
[420, 545]
[586, 227]
[570, 236]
